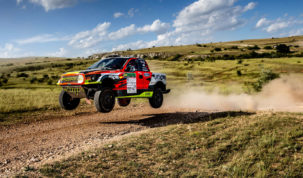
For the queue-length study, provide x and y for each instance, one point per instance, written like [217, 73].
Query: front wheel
[157, 99]
[104, 100]
[67, 102]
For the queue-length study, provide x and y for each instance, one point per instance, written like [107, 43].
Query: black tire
[67, 102]
[157, 99]
[104, 100]
[123, 101]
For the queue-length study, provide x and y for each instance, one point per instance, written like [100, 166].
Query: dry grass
[22, 100]
[261, 145]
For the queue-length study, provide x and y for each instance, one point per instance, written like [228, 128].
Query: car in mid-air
[121, 78]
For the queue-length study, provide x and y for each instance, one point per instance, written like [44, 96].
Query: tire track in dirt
[36, 143]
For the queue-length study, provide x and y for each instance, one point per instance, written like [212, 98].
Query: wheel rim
[158, 98]
[107, 100]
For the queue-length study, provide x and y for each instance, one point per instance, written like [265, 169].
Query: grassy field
[223, 144]
[29, 84]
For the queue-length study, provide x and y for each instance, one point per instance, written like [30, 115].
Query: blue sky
[71, 28]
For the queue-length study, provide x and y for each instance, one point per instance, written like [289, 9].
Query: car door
[144, 75]
[132, 83]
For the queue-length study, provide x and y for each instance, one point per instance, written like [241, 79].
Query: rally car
[114, 77]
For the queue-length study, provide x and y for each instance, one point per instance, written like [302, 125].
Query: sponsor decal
[131, 83]
[146, 74]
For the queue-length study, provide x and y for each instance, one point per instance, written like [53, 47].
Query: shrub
[240, 61]
[22, 75]
[253, 47]
[296, 46]
[33, 80]
[267, 47]
[217, 49]
[49, 82]
[5, 80]
[199, 45]
[45, 76]
[239, 73]
[234, 47]
[283, 48]
[265, 77]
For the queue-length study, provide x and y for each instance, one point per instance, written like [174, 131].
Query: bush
[45, 76]
[49, 82]
[240, 61]
[268, 47]
[22, 75]
[234, 47]
[239, 73]
[283, 48]
[265, 77]
[5, 80]
[218, 49]
[199, 45]
[33, 80]
[253, 47]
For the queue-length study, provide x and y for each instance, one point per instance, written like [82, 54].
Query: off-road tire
[123, 102]
[157, 99]
[67, 102]
[104, 100]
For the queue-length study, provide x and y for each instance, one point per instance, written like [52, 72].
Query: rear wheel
[157, 99]
[104, 100]
[67, 102]
[123, 101]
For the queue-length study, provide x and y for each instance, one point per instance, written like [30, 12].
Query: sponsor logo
[146, 74]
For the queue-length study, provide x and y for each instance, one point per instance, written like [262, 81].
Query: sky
[79, 28]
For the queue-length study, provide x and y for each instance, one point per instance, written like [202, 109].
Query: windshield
[109, 64]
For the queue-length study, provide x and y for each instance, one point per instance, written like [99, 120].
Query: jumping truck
[121, 78]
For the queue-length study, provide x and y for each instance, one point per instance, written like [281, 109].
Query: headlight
[80, 79]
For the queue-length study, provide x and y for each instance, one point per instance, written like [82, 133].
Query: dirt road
[49, 140]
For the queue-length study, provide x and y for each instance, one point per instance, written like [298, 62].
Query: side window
[142, 65]
[132, 66]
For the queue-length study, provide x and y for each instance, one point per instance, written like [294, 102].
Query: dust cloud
[282, 94]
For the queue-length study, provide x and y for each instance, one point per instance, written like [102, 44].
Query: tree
[282, 48]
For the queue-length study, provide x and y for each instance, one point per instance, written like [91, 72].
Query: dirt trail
[40, 142]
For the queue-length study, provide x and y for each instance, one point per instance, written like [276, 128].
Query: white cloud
[19, 1]
[196, 23]
[118, 14]
[249, 6]
[52, 4]
[131, 12]
[123, 32]
[157, 26]
[8, 51]
[60, 53]
[280, 24]
[277, 26]
[41, 39]
[262, 22]
[89, 38]
[296, 32]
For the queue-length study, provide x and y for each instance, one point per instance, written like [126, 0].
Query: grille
[69, 79]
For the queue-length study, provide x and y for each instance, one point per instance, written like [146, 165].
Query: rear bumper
[166, 91]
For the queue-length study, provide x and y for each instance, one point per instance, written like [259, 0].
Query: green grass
[38, 84]
[260, 145]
